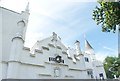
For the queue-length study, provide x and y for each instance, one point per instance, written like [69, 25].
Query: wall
[34, 63]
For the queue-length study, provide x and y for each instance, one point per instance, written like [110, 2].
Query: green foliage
[119, 55]
[112, 66]
[108, 15]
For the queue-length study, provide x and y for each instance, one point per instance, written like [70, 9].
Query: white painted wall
[98, 68]
[24, 63]
[0, 43]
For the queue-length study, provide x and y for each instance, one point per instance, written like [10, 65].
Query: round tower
[24, 15]
[80, 57]
[17, 46]
[77, 47]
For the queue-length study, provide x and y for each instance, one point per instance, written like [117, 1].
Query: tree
[112, 66]
[108, 15]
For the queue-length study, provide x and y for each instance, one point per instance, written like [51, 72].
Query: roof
[9, 10]
[88, 46]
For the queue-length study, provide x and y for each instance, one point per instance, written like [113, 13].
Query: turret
[77, 50]
[79, 55]
[17, 46]
[15, 54]
[89, 50]
[25, 15]
[77, 47]
[54, 37]
[88, 47]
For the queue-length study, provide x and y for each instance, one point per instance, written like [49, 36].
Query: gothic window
[86, 59]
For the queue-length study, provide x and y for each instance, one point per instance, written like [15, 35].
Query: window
[101, 76]
[86, 59]
[90, 73]
[56, 72]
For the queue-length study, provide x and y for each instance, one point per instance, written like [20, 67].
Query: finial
[77, 41]
[54, 36]
[87, 45]
[27, 7]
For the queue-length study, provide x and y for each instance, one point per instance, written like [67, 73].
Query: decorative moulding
[21, 23]
[77, 58]
[59, 47]
[99, 66]
[27, 63]
[77, 69]
[26, 48]
[56, 63]
[69, 76]
[45, 74]
[32, 64]
[74, 62]
[64, 52]
[51, 45]
[20, 37]
[38, 51]
[69, 57]
[32, 55]
[45, 48]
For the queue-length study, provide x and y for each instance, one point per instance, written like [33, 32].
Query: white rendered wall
[9, 25]
[0, 43]
[9, 30]
[38, 65]
[98, 68]
[31, 64]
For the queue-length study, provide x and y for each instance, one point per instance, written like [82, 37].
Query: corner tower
[17, 45]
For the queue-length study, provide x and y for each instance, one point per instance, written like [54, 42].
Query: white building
[48, 58]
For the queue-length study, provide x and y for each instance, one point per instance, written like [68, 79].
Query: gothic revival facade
[47, 59]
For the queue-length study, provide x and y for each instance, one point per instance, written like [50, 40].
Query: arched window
[86, 59]
[56, 72]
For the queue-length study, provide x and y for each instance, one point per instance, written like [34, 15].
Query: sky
[70, 19]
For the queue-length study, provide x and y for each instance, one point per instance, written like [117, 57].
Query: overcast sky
[70, 19]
